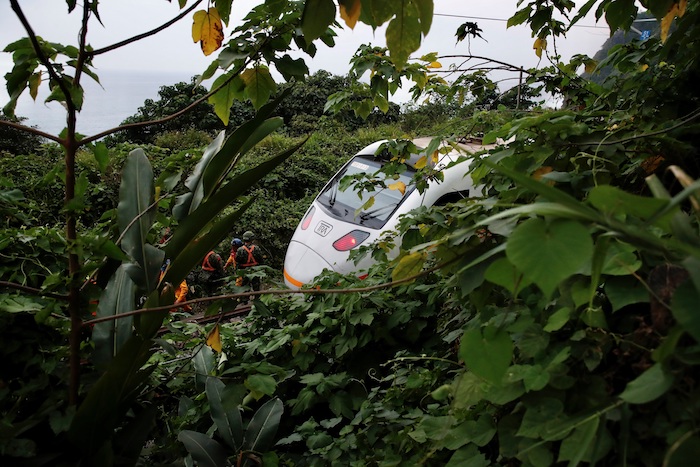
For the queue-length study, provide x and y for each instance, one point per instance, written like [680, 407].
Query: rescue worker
[236, 243]
[249, 255]
[212, 272]
[180, 292]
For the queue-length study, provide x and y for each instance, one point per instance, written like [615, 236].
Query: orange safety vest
[251, 261]
[206, 265]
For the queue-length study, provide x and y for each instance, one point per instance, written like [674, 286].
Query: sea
[118, 95]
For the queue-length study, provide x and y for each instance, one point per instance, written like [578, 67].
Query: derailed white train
[334, 224]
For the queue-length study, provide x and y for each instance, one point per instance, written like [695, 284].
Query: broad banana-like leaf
[188, 245]
[261, 431]
[188, 202]
[135, 217]
[129, 442]
[110, 336]
[245, 137]
[205, 451]
[228, 421]
[110, 397]
[219, 158]
[147, 324]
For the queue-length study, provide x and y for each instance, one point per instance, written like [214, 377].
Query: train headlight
[350, 240]
[307, 218]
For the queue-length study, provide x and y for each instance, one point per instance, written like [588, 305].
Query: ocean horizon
[118, 96]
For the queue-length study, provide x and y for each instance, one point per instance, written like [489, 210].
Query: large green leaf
[684, 307]
[487, 354]
[648, 386]
[616, 202]
[579, 443]
[259, 85]
[291, 68]
[403, 34]
[223, 99]
[188, 202]
[261, 431]
[220, 157]
[317, 17]
[228, 420]
[205, 451]
[548, 253]
[110, 397]
[135, 215]
[503, 273]
[377, 12]
[238, 144]
[425, 9]
[110, 336]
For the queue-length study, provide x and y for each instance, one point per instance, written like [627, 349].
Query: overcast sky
[173, 49]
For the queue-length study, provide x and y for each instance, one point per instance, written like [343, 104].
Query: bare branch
[486, 59]
[145, 34]
[28, 129]
[385, 285]
[32, 290]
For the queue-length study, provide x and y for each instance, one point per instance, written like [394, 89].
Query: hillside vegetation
[550, 321]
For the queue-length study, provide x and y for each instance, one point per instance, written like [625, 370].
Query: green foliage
[15, 141]
[173, 99]
[553, 319]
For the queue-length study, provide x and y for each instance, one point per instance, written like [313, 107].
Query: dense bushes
[15, 141]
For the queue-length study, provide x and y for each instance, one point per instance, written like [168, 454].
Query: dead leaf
[350, 11]
[676, 10]
[214, 339]
[435, 65]
[208, 30]
[401, 186]
[539, 45]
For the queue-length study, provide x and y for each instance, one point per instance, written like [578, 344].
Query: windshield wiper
[375, 212]
[334, 192]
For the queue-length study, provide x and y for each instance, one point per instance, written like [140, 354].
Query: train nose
[302, 265]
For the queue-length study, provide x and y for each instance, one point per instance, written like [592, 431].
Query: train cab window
[346, 204]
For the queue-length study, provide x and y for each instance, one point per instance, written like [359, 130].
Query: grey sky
[173, 49]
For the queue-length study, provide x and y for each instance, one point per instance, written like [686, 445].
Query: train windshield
[346, 204]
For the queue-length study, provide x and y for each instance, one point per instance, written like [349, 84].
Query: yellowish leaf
[644, 67]
[590, 66]
[214, 339]
[350, 11]
[435, 64]
[368, 204]
[34, 82]
[408, 266]
[420, 163]
[208, 30]
[676, 10]
[401, 186]
[539, 45]
[435, 157]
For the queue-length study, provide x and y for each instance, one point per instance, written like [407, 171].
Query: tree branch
[145, 34]
[42, 58]
[32, 290]
[34, 131]
[371, 288]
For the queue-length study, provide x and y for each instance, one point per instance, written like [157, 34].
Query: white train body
[334, 224]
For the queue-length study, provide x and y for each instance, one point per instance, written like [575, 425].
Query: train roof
[465, 145]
